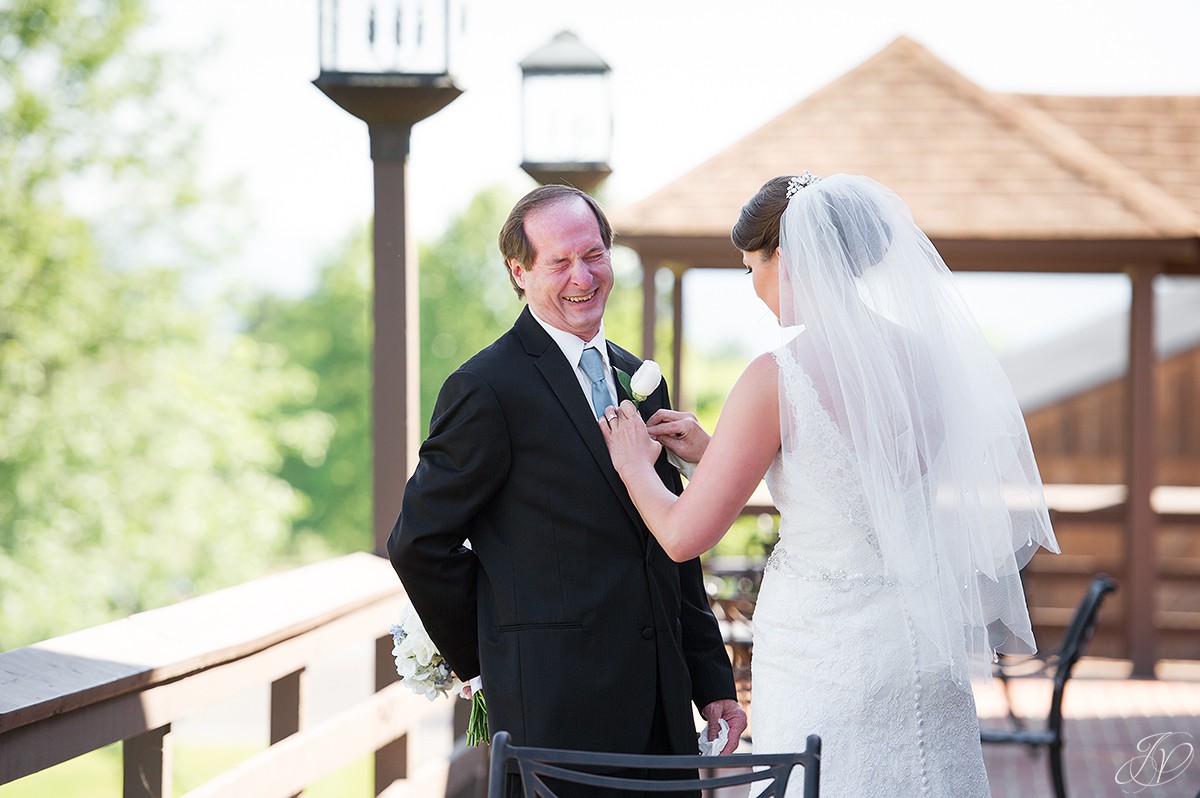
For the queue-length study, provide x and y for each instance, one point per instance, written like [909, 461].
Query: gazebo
[1001, 183]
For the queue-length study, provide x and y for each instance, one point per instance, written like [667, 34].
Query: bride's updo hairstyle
[833, 212]
[757, 228]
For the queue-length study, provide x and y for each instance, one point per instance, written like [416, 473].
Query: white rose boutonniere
[644, 381]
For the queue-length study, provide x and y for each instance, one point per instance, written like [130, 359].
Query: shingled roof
[972, 164]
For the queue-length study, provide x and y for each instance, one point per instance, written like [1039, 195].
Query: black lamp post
[566, 114]
[387, 63]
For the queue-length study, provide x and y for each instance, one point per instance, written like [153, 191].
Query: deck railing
[130, 680]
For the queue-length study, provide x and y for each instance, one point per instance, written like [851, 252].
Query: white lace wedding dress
[833, 649]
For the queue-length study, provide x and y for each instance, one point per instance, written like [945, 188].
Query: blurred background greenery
[161, 439]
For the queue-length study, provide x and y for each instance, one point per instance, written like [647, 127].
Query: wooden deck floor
[1106, 717]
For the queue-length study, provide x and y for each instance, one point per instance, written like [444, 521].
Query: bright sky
[689, 78]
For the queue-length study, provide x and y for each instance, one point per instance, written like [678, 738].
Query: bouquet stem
[477, 725]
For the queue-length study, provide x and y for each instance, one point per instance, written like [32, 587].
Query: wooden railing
[131, 679]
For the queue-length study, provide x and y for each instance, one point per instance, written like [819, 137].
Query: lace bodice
[825, 523]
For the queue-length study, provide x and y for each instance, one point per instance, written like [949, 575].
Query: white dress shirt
[572, 347]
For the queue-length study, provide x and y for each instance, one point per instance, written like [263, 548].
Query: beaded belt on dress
[839, 577]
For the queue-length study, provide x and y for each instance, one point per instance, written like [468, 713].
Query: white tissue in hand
[713, 747]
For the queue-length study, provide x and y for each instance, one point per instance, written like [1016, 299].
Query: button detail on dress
[648, 633]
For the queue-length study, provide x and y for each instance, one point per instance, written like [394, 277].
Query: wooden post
[395, 395]
[649, 309]
[1141, 540]
[677, 337]
[390, 104]
[147, 764]
[391, 761]
[287, 707]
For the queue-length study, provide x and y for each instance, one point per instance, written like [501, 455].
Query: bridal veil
[942, 450]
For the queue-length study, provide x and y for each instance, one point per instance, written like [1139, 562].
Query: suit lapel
[560, 376]
[618, 364]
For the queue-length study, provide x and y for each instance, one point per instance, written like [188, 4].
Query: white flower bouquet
[425, 671]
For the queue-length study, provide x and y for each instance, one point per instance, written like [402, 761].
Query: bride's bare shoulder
[752, 409]
[759, 382]
[763, 368]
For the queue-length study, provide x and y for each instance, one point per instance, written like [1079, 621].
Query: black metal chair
[535, 766]
[1056, 666]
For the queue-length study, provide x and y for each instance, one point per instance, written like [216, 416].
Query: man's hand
[733, 714]
[680, 432]
[470, 686]
[625, 435]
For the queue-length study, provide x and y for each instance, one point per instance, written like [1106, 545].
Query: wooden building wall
[1080, 440]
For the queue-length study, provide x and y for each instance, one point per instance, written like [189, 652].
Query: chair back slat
[1082, 627]
[538, 766]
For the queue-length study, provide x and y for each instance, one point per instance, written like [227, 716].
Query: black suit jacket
[576, 618]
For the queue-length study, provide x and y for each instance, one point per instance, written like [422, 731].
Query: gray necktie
[593, 366]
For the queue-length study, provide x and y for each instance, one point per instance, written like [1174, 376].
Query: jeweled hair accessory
[802, 180]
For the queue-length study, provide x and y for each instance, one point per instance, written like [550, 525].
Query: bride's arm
[744, 443]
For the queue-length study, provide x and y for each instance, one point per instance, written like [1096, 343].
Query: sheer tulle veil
[903, 369]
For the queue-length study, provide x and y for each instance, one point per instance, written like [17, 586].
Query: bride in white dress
[909, 499]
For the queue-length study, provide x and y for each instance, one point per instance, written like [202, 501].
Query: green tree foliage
[465, 303]
[467, 300]
[138, 441]
[328, 333]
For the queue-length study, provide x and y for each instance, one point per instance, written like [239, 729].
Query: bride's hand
[680, 432]
[626, 436]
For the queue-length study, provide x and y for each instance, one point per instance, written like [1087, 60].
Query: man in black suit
[586, 634]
